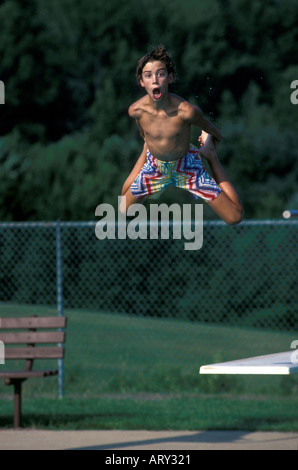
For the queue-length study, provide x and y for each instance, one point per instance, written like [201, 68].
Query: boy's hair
[159, 53]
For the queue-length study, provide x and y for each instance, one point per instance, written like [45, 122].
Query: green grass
[118, 353]
[158, 412]
[126, 372]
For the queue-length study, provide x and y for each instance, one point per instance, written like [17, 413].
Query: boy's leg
[227, 204]
[127, 199]
[135, 171]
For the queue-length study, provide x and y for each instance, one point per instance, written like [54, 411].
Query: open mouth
[156, 93]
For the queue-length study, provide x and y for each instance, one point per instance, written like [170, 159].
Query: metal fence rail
[243, 277]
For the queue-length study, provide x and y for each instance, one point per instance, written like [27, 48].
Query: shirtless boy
[164, 120]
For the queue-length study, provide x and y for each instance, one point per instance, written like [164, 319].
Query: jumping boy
[164, 120]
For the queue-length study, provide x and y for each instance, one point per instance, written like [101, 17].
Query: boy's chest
[163, 125]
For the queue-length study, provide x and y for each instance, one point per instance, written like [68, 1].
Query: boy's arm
[135, 112]
[196, 118]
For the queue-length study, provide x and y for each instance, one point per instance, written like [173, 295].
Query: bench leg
[17, 419]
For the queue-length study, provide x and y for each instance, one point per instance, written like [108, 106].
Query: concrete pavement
[28, 439]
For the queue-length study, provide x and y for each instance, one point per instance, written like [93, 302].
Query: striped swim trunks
[186, 173]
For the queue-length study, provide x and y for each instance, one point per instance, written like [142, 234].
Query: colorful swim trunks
[187, 173]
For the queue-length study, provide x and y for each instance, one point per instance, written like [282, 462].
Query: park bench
[30, 339]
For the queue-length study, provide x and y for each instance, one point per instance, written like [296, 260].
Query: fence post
[59, 280]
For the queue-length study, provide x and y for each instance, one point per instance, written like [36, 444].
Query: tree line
[66, 141]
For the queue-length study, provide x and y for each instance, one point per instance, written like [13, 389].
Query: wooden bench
[31, 345]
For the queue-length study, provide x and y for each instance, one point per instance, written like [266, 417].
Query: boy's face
[155, 80]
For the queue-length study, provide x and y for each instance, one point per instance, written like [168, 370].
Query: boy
[165, 121]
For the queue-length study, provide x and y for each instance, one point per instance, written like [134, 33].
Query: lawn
[125, 372]
[158, 412]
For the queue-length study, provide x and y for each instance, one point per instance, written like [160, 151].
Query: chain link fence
[144, 315]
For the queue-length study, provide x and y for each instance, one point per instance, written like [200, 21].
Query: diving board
[272, 364]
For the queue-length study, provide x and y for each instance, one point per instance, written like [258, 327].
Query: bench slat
[32, 337]
[33, 322]
[34, 353]
[27, 374]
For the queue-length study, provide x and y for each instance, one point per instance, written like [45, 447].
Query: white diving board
[272, 364]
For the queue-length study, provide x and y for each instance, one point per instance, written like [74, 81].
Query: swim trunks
[187, 173]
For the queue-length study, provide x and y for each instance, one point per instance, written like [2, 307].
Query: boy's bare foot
[208, 146]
